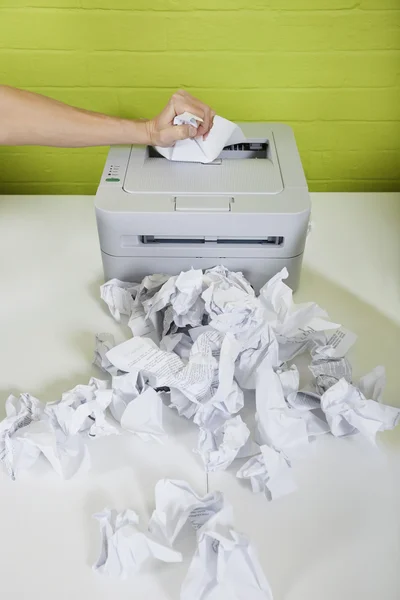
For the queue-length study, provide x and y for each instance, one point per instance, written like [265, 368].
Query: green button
[113, 179]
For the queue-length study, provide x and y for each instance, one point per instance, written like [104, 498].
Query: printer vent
[246, 150]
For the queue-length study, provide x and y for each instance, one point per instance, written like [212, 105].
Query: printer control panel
[115, 167]
[113, 173]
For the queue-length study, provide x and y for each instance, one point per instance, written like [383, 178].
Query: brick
[354, 186]
[12, 187]
[277, 105]
[25, 152]
[286, 31]
[380, 4]
[176, 5]
[81, 29]
[347, 135]
[284, 70]
[40, 3]
[190, 5]
[152, 31]
[342, 164]
[100, 100]
[21, 68]
[52, 166]
[299, 5]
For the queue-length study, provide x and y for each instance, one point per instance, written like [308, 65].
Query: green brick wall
[329, 68]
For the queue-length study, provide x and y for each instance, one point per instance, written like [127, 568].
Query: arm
[32, 119]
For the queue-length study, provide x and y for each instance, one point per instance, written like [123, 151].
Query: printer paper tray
[256, 269]
[206, 250]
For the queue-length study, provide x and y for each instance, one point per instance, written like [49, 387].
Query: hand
[161, 130]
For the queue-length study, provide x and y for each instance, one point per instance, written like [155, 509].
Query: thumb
[174, 133]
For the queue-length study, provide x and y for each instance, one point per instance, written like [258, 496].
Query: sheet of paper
[184, 406]
[20, 412]
[82, 409]
[167, 369]
[103, 343]
[337, 344]
[176, 503]
[304, 400]
[269, 472]
[68, 455]
[278, 426]
[118, 295]
[292, 322]
[125, 548]
[180, 343]
[218, 449]
[181, 296]
[327, 372]
[138, 322]
[373, 384]
[143, 416]
[225, 566]
[348, 411]
[223, 133]
[290, 379]
[125, 388]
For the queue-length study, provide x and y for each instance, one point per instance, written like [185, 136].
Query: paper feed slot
[248, 150]
[176, 239]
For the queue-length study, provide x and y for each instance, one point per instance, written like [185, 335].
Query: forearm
[32, 119]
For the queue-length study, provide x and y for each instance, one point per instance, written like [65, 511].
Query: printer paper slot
[267, 241]
[235, 151]
[246, 150]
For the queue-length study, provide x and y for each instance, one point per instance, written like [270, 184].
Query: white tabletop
[337, 537]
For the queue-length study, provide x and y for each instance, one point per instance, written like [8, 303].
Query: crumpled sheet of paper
[83, 409]
[372, 384]
[269, 472]
[20, 412]
[225, 565]
[176, 504]
[219, 449]
[28, 432]
[327, 371]
[103, 343]
[68, 455]
[118, 297]
[348, 411]
[125, 548]
[143, 416]
[223, 133]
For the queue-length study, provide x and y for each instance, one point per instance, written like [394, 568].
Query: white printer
[248, 210]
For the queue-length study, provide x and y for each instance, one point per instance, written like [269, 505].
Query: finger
[213, 113]
[205, 132]
[172, 134]
[207, 119]
[184, 102]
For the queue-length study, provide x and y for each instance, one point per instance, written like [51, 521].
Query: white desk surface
[337, 537]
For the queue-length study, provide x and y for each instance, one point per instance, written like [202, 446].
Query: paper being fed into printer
[223, 133]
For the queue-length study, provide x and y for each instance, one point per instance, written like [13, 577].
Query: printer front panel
[202, 234]
[256, 270]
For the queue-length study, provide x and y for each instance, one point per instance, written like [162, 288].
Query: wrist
[135, 132]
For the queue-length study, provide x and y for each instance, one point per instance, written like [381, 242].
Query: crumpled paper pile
[225, 565]
[203, 343]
